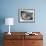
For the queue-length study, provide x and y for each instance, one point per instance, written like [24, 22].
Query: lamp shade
[9, 21]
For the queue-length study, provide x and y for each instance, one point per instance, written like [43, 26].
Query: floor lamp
[9, 21]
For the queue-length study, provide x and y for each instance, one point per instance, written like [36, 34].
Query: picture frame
[26, 15]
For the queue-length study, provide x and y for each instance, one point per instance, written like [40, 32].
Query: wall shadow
[2, 21]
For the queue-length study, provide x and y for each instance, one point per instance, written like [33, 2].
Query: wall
[9, 8]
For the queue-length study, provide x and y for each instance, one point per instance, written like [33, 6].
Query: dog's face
[26, 15]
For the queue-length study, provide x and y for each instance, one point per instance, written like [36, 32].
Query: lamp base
[9, 33]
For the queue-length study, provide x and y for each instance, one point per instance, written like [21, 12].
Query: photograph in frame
[26, 15]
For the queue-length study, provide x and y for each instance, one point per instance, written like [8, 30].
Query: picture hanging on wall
[26, 15]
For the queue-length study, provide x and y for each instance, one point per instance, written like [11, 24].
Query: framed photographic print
[26, 15]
